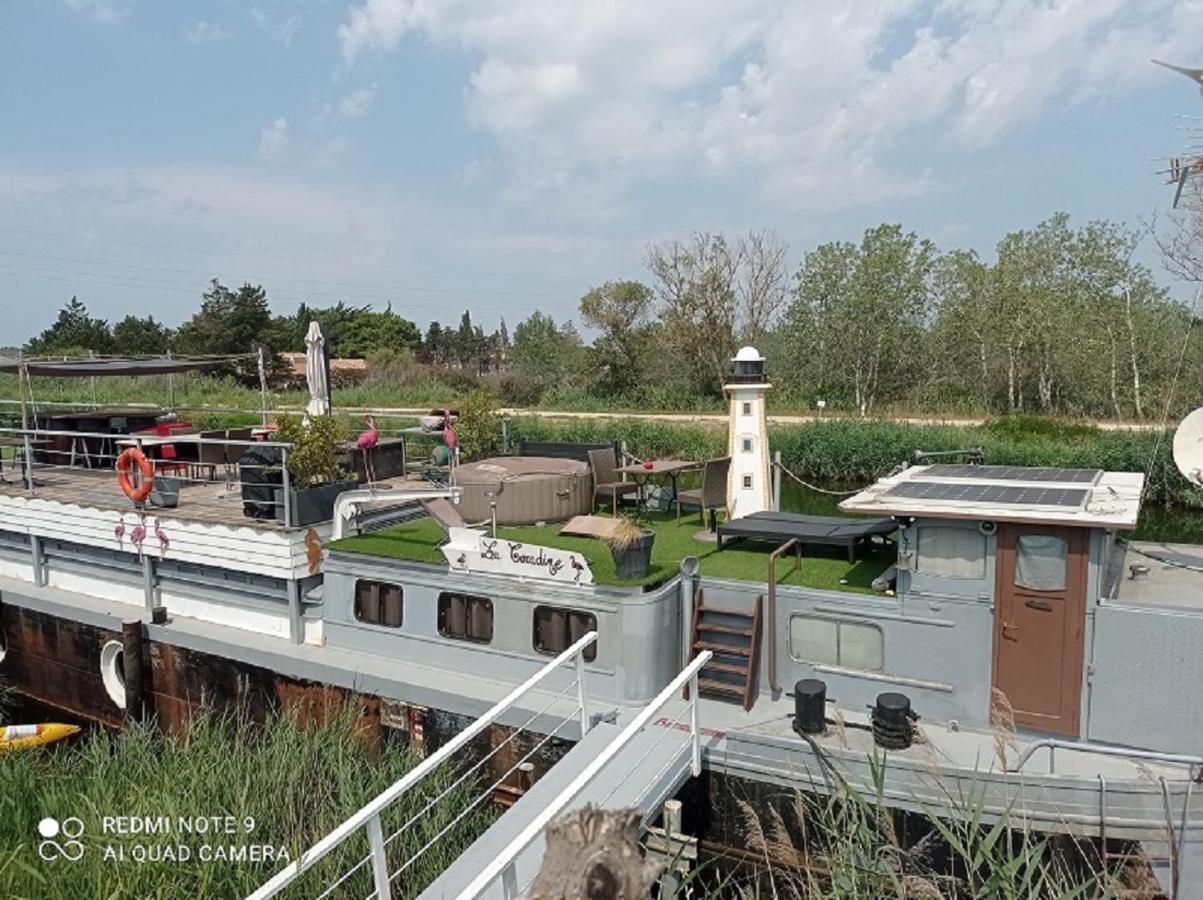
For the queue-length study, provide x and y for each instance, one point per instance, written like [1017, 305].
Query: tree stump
[595, 854]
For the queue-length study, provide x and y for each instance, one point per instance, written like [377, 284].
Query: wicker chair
[606, 483]
[713, 492]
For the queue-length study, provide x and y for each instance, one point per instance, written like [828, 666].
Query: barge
[1017, 649]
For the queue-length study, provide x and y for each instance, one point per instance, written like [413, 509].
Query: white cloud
[810, 99]
[274, 141]
[281, 30]
[107, 12]
[357, 103]
[207, 32]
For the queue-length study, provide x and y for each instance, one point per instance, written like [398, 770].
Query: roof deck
[1076, 497]
[826, 568]
[1173, 580]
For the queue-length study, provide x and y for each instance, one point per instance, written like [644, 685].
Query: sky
[506, 156]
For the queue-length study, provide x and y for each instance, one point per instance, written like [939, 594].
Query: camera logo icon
[61, 839]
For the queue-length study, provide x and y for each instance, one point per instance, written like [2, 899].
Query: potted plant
[631, 548]
[315, 473]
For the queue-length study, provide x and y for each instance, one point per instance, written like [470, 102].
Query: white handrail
[1055, 744]
[370, 813]
[506, 857]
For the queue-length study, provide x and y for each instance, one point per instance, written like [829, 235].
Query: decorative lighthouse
[748, 482]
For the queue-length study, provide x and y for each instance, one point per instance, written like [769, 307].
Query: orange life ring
[129, 457]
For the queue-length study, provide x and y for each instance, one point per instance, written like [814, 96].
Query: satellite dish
[1188, 447]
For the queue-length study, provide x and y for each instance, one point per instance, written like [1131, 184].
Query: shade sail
[73, 368]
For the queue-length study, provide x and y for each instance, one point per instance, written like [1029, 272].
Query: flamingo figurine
[138, 535]
[119, 532]
[449, 433]
[367, 443]
[164, 543]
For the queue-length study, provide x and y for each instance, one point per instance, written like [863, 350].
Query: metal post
[580, 691]
[92, 379]
[670, 883]
[776, 481]
[509, 883]
[296, 624]
[148, 586]
[262, 389]
[379, 860]
[39, 567]
[505, 435]
[28, 462]
[170, 386]
[696, 740]
[286, 486]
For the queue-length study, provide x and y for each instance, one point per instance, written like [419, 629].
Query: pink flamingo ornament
[137, 536]
[367, 443]
[449, 433]
[119, 532]
[164, 543]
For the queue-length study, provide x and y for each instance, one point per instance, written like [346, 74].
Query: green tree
[229, 323]
[368, 331]
[544, 352]
[621, 311]
[74, 331]
[137, 336]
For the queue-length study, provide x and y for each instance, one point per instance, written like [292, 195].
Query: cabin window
[1040, 562]
[950, 552]
[465, 617]
[836, 642]
[378, 603]
[747, 408]
[557, 629]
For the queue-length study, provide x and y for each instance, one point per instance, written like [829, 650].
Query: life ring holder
[129, 458]
[112, 673]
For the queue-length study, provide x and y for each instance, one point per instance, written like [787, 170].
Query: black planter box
[312, 504]
[633, 561]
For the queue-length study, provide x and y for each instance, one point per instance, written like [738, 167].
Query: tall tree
[544, 352]
[232, 322]
[620, 310]
[136, 336]
[73, 331]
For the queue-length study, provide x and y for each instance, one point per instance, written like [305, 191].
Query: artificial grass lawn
[822, 567]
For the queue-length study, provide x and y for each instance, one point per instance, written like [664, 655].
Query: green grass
[295, 780]
[747, 561]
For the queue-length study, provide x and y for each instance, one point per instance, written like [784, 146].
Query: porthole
[112, 671]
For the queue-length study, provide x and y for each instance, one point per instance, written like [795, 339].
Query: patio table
[670, 468]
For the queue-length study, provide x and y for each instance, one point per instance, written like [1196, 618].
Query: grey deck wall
[638, 649]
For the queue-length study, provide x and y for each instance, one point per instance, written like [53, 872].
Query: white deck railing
[368, 818]
[502, 864]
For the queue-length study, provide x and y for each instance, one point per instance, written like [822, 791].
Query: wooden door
[1039, 624]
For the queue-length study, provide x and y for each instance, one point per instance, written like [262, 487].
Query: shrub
[478, 428]
[317, 449]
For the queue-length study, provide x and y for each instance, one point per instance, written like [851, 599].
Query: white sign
[469, 550]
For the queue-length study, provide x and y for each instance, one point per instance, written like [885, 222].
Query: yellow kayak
[22, 737]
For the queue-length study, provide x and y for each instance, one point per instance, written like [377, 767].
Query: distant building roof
[1081, 497]
[296, 364]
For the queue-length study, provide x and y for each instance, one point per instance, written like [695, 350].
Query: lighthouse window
[557, 629]
[747, 409]
[747, 481]
[465, 617]
[836, 642]
[378, 603]
[747, 445]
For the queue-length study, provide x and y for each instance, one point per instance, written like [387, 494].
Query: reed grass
[296, 781]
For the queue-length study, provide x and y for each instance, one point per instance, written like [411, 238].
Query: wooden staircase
[733, 636]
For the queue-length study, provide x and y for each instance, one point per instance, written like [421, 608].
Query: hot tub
[529, 489]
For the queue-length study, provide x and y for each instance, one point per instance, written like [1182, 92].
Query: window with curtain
[950, 552]
[378, 603]
[556, 629]
[1040, 562]
[465, 617]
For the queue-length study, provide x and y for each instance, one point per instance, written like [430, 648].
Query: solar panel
[1014, 473]
[989, 493]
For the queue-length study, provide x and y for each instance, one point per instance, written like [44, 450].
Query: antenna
[1188, 447]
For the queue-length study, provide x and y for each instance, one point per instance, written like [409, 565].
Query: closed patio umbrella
[317, 371]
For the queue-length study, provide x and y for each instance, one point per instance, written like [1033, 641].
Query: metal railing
[369, 817]
[502, 863]
[1194, 763]
[91, 456]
